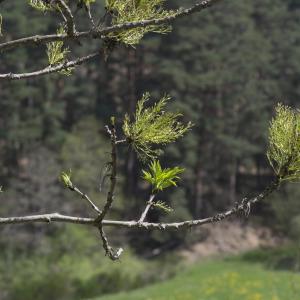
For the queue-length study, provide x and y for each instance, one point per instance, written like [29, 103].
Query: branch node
[246, 207]
[219, 217]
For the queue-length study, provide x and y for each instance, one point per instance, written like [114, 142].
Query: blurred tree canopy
[226, 70]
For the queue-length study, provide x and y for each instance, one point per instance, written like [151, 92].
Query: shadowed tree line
[225, 69]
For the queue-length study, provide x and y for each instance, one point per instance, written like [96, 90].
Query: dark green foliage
[86, 150]
[57, 272]
[1, 24]
[228, 91]
[286, 257]
[285, 208]
[226, 69]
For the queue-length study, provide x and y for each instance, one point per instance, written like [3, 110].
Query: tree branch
[56, 217]
[113, 174]
[37, 40]
[47, 218]
[85, 197]
[112, 254]
[101, 32]
[88, 10]
[148, 206]
[50, 69]
[66, 11]
[169, 19]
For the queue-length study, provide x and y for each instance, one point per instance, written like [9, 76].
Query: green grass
[221, 280]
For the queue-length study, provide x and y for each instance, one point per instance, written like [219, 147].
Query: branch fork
[147, 208]
[109, 251]
[93, 32]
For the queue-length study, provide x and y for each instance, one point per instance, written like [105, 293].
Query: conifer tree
[152, 126]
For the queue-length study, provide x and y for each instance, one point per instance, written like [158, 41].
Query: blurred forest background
[225, 68]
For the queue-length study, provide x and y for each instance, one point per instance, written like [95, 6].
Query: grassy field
[221, 280]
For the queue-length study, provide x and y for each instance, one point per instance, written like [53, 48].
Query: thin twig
[85, 197]
[48, 70]
[88, 10]
[148, 206]
[121, 141]
[63, 16]
[66, 12]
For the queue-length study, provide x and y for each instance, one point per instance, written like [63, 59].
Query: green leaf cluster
[135, 11]
[161, 178]
[57, 53]
[152, 126]
[40, 5]
[284, 143]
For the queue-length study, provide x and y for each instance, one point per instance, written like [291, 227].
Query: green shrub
[72, 269]
[282, 258]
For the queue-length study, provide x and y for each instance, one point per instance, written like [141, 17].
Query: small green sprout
[65, 178]
[153, 126]
[57, 54]
[161, 178]
[284, 143]
[163, 206]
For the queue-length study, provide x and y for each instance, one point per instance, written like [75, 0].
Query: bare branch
[88, 10]
[149, 204]
[50, 69]
[112, 254]
[113, 174]
[101, 32]
[85, 197]
[121, 141]
[47, 218]
[36, 40]
[55, 217]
